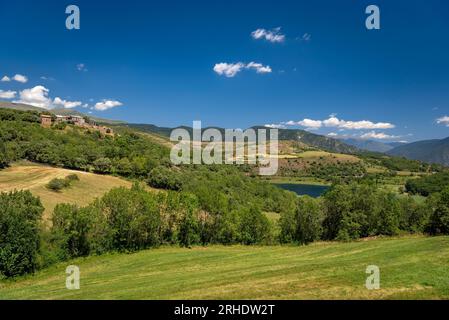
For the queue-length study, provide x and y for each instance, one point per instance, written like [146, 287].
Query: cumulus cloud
[378, 135]
[443, 120]
[275, 126]
[37, 96]
[334, 122]
[356, 125]
[230, 70]
[58, 102]
[273, 35]
[20, 78]
[310, 124]
[7, 94]
[107, 104]
[332, 134]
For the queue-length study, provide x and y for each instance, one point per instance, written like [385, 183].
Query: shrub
[57, 184]
[72, 177]
[20, 214]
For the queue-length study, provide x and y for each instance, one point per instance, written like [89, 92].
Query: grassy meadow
[411, 268]
[35, 177]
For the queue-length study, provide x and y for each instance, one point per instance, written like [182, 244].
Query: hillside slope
[34, 177]
[432, 151]
[311, 139]
[411, 268]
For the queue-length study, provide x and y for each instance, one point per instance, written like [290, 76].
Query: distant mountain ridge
[371, 145]
[431, 151]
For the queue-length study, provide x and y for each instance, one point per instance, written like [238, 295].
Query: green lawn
[411, 268]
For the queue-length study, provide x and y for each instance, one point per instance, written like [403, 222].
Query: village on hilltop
[79, 121]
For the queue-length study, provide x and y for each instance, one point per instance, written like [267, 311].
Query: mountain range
[371, 145]
[431, 151]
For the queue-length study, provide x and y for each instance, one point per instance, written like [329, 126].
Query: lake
[304, 189]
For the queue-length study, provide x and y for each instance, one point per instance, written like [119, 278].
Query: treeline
[328, 171]
[395, 163]
[354, 211]
[128, 154]
[428, 185]
[127, 220]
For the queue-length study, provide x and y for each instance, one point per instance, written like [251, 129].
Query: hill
[411, 268]
[311, 139]
[431, 151]
[62, 112]
[34, 177]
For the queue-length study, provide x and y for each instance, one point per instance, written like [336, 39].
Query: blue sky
[153, 62]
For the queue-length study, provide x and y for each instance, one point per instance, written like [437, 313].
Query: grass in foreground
[411, 268]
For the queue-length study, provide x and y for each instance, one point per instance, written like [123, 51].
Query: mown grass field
[34, 177]
[411, 268]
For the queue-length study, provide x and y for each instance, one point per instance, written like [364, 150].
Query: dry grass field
[34, 177]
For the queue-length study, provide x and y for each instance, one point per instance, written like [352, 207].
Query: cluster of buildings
[47, 121]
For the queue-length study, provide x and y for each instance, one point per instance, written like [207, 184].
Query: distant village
[79, 121]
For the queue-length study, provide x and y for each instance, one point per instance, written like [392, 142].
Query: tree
[102, 165]
[70, 228]
[439, 220]
[254, 226]
[308, 220]
[20, 214]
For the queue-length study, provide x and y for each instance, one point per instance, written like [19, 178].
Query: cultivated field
[411, 268]
[34, 177]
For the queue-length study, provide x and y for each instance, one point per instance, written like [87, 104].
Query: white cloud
[107, 104]
[259, 67]
[378, 135]
[81, 67]
[310, 124]
[37, 96]
[273, 35]
[58, 102]
[230, 70]
[275, 126]
[332, 134]
[20, 78]
[7, 94]
[341, 125]
[306, 37]
[443, 120]
[356, 125]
